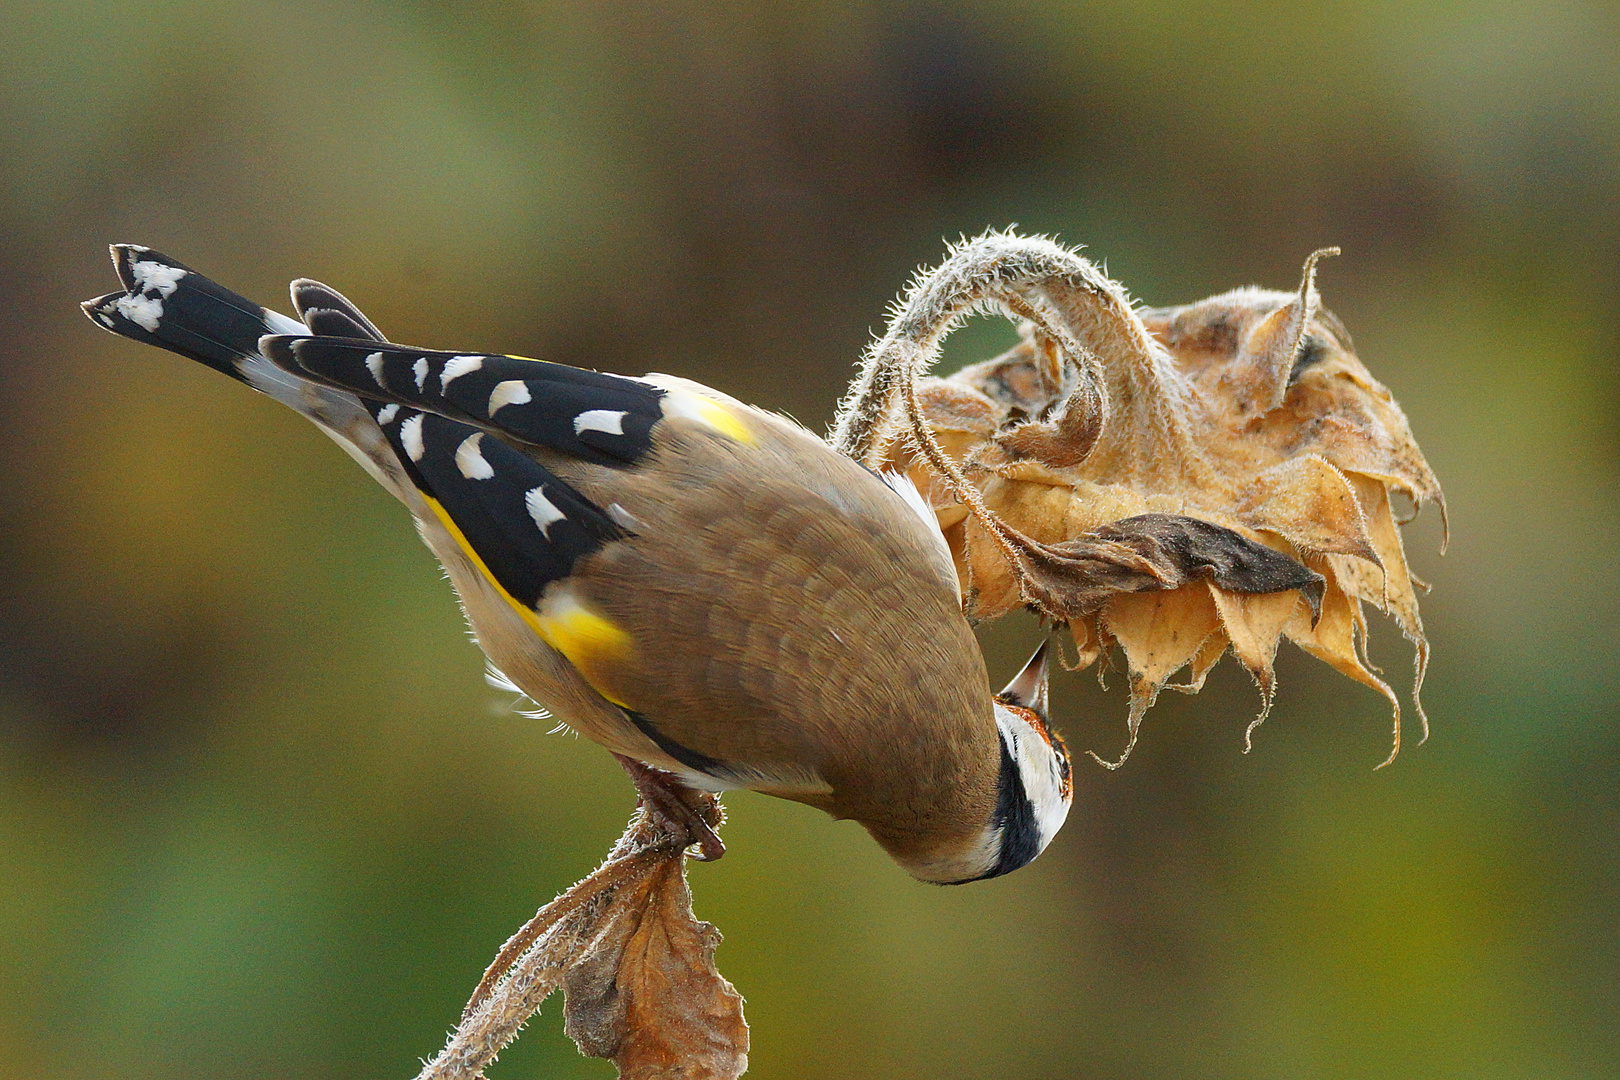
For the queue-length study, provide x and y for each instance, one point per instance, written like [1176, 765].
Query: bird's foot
[693, 812]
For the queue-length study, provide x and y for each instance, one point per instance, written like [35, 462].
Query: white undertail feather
[500, 681]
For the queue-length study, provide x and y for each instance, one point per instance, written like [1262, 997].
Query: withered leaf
[1198, 548]
[636, 968]
[646, 993]
[1075, 577]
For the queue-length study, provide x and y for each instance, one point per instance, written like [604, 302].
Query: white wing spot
[104, 319]
[386, 414]
[510, 392]
[374, 364]
[410, 434]
[154, 275]
[610, 421]
[545, 514]
[421, 372]
[470, 461]
[456, 367]
[144, 311]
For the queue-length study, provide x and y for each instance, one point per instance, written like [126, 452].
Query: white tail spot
[374, 364]
[421, 371]
[144, 311]
[154, 275]
[386, 414]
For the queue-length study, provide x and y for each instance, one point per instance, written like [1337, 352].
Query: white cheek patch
[1041, 771]
[607, 421]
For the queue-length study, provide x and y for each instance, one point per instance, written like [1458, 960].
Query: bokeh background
[261, 817]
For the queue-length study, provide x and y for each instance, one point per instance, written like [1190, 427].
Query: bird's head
[1036, 783]
[1033, 789]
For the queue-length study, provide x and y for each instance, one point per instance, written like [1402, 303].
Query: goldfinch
[699, 586]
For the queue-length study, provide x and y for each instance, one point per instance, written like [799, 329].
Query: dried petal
[1333, 638]
[1310, 504]
[1272, 349]
[1089, 642]
[1161, 632]
[1209, 654]
[1254, 625]
[1066, 440]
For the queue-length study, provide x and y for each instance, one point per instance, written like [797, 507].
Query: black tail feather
[167, 304]
[328, 313]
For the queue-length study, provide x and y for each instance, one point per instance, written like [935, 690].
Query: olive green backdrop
[261, 817]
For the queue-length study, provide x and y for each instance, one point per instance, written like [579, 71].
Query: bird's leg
[664, 794]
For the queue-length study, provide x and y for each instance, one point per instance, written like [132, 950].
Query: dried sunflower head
[1176, 482]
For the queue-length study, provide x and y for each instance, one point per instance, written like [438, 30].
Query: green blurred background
[261, 817]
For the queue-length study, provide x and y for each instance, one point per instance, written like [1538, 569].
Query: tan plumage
[752, 610]
[834, 659]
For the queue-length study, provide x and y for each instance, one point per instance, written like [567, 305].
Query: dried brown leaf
[637, 970]
[647, 995]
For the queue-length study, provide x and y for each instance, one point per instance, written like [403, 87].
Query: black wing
[605, 419]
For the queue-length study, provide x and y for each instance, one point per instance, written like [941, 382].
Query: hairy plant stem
[534, 960]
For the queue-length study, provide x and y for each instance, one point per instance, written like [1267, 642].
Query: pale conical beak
[1028, 687]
